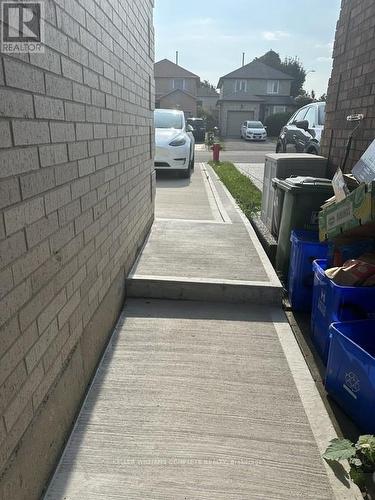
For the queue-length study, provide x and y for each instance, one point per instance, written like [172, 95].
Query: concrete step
[161, 287]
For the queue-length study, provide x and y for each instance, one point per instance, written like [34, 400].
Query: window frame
[279, 106]
[238, 86]
[183, 84]
[272, 82]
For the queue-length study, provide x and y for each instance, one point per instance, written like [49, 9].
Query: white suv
[174, 142]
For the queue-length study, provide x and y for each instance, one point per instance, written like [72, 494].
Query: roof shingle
[258, 70]
[168, 69]
[207, 92]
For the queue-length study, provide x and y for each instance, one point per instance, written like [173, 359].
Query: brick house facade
[175, 87]
[252, 92]
[352, 84]
[76, 203]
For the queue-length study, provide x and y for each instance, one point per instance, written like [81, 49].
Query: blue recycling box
[306, 248]
[350, 378]
[333, 303]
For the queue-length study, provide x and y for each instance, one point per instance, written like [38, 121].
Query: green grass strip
[248, 196]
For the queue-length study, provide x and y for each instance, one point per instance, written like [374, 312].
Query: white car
[253, 131]
[174, 142]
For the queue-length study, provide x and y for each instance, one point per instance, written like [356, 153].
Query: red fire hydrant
[216, 151]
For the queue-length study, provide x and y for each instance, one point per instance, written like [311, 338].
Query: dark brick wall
[352, 84]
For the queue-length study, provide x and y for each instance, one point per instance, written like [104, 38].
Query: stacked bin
[306, 248]
[350, 376]
[333, 303]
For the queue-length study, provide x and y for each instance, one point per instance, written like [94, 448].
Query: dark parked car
[303, 131]
[199, 128]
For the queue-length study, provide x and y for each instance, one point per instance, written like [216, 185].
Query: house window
[240, 86]
[273, 86]
[279, 109]
[179, 83]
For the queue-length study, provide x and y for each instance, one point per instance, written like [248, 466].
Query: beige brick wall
[76, 202]
[180, 100]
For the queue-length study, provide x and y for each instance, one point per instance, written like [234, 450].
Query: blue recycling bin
[350, 378]
[333, 303]
[306, 248]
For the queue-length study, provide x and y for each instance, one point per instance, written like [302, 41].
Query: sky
[212, 35]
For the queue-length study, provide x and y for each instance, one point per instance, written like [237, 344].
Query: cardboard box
[357, 210]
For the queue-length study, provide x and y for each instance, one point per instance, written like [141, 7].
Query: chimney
[243, 58]
[176, 56]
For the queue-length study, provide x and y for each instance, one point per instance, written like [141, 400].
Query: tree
[207, 85]
[303, 100]
[276, 122]
[211, 118]
[291, 66]
[271, 58]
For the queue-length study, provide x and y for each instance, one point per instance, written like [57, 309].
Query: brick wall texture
[76, 190]
[352, 84]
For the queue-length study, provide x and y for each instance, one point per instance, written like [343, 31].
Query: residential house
[252, 92]
[175, 87]
[207, 99]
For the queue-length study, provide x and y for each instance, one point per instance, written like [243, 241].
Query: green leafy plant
[248, 196]
[219, 144]
[361, 458]
[212, 139]
[276, 122]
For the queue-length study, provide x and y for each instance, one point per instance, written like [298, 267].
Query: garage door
[235, 120]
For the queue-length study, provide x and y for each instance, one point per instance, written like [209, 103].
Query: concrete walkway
[201, 247]
[200, 400]
[255, 172]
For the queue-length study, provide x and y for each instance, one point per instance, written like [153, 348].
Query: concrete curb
[183, 288]
[318, 417]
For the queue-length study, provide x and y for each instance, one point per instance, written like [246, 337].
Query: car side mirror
[189, 128]
[264, 126]
[303, 124]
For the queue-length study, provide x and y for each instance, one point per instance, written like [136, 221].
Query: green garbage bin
[303, 197]
[278, 203]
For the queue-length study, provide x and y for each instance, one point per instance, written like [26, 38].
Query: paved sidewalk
[192, 401]
[202, 247]
[198, 400]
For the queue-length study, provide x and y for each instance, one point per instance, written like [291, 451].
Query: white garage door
[235, 120]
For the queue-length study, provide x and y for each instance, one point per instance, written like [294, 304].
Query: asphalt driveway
[233, 144]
